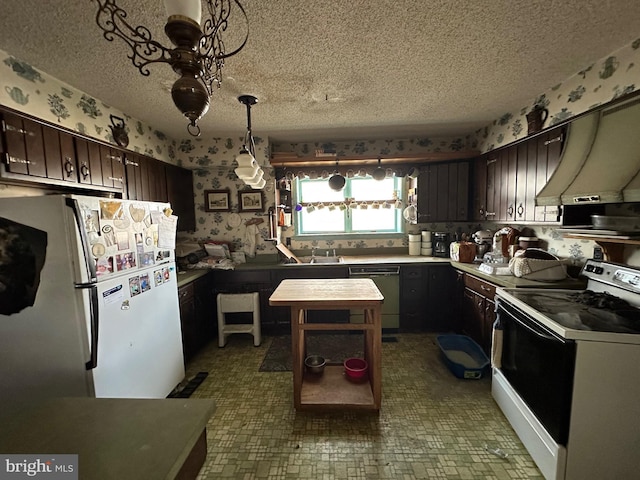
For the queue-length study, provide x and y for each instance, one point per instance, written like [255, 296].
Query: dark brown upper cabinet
[89, 162]
[443, 192]
[507, 180]
[180, 195]
[34, 150]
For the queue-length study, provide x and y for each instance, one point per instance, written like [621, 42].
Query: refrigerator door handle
[93, 306]
[72, 203]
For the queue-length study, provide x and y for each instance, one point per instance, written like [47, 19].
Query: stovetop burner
[585, 310]
[600, 300]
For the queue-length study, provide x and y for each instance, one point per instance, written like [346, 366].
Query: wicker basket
[537, 269]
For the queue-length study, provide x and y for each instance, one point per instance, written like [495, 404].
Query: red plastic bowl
[355, 367]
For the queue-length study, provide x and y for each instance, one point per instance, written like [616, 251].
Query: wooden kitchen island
[332, 389]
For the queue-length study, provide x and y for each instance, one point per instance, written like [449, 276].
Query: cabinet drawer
[480, 286]
[411, 273]
[413, 290]
[186, 293]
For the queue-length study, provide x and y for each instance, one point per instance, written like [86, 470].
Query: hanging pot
[379, 173]
[337, 181]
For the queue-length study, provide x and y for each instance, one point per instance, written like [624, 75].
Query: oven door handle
[536, 331]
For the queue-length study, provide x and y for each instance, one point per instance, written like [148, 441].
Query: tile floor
[431, 424]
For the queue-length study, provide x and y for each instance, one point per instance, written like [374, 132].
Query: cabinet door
[180, 195]
[89, 162]
[427, 194]
[159, 177]
[440, 294]
[153, 179]
[24, 146]
[38, 150]
[134, 177]
[414, 303]
[205, 310]
[473, 307]
[488, 319]
[493, 186]
[112, 162]
[188, 321]
[443, 192]
[502, 186]
[457, 194]
[549, 150]
[59, 155]
[479, 204]
[508, 186]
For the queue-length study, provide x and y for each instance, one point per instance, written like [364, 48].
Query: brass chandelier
[199, 53]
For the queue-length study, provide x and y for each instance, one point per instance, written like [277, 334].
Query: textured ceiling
[339, 69]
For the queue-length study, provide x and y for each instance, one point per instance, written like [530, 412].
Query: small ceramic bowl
[314, 363]
[356, 368]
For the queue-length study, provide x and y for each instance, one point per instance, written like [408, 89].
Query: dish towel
[496, 344]
[250, 240]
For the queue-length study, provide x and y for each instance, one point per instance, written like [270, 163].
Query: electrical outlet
[287, 241]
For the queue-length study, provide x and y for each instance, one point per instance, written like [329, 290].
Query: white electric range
[568, 374]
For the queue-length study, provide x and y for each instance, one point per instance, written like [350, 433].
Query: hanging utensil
[410, 214]
[337, 181]
[379, 173]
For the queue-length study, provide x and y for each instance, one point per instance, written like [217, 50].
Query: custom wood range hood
[600, 162]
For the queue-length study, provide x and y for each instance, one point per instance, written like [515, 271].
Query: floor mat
[334, 348]
[190, 387]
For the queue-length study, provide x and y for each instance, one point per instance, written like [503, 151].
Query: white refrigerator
[88, 299]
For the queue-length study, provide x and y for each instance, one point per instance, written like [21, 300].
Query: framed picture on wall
[217, 201]
[251, 201]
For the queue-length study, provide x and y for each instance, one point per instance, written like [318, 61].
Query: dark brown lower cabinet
[197, 315]
[426, 293]
[477, 312]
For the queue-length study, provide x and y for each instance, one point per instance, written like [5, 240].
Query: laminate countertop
[188, 276]
[116, 439]
[508, 281]
[511, 281]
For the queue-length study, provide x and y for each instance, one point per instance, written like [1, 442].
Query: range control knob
[598, 270]
[589, 268]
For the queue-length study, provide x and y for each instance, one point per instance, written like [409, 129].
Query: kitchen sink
[327, 260]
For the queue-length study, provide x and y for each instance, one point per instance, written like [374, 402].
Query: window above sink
[364, 206]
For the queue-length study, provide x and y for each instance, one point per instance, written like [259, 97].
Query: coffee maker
[440, 244]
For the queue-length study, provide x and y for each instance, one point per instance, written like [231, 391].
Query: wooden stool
[235, 303]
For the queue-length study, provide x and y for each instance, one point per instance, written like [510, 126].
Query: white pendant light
[245, 159]
[246, 173]
[248, 169]
[255, 179]
[258, 185]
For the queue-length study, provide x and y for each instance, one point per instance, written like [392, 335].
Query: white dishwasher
[386, 279]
